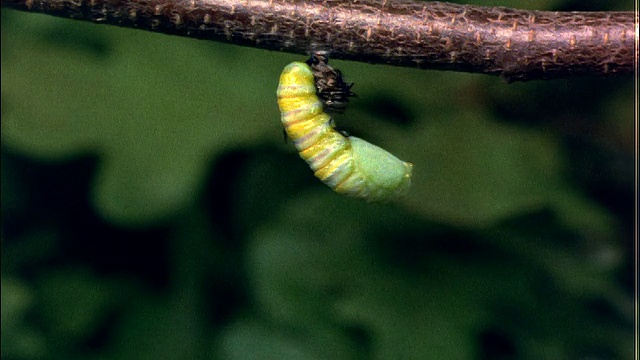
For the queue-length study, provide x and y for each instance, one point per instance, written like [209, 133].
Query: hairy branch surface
[518, 45]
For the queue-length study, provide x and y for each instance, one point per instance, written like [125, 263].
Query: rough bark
[515, 44]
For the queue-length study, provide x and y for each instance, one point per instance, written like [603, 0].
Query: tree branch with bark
[517, 45]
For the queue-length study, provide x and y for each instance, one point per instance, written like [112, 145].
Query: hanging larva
[347, 164]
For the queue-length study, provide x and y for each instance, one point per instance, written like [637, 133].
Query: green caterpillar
[347, 164]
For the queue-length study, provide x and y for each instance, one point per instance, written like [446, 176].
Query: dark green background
[152, 210]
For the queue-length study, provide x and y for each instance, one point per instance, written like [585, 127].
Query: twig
[515, 44]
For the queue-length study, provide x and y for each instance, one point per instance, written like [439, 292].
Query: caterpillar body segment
[385, 174]
[347, 164]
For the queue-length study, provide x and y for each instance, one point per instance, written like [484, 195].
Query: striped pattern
[348, 165]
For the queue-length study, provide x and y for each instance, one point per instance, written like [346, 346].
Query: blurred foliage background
[151, 209]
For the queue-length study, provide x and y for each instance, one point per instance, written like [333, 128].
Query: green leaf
[155, 108]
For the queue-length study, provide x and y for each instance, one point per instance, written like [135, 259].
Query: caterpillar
[347, 164]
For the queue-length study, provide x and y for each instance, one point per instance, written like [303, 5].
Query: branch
[515, 44]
